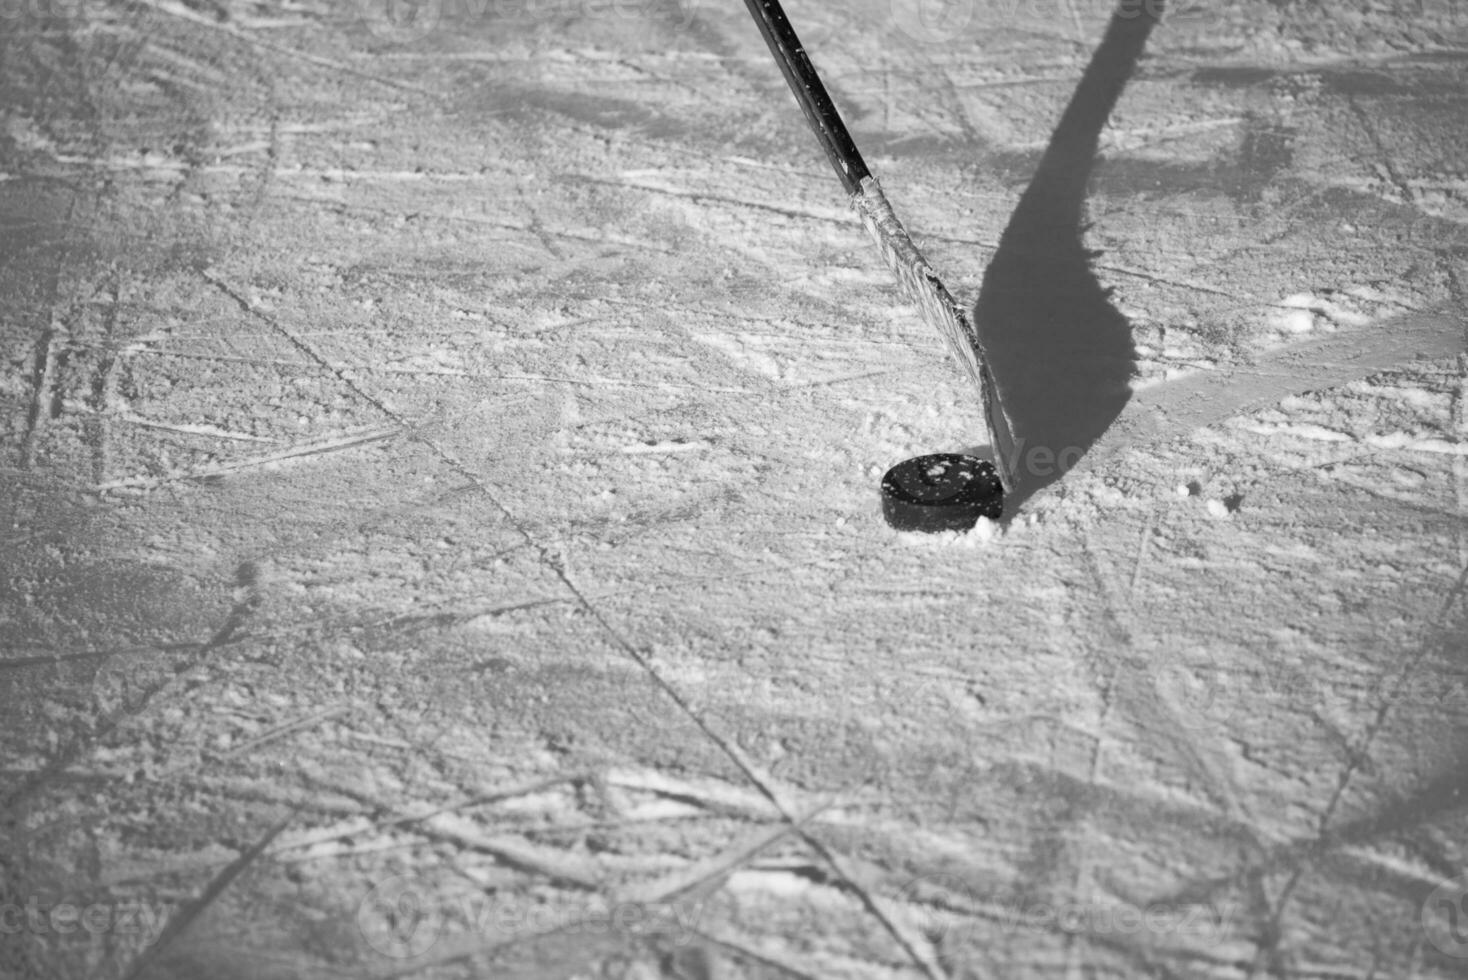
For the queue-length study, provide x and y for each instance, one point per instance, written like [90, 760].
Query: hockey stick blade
[938, 308]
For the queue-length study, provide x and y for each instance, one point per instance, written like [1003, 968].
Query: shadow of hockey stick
[1060, 354]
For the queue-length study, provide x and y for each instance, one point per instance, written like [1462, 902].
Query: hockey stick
[917, 278]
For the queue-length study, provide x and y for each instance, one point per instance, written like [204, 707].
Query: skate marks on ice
[1174, 409]
[1061, 355]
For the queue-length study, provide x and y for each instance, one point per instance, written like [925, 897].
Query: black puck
[941, 492]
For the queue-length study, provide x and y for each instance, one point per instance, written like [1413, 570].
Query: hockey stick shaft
[815, 101]
[903, 258]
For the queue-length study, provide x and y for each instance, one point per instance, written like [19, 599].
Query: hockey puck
[941, 492]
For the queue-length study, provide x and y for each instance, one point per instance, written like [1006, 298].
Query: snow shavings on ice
[1301, 430]
[1399, 440]
[982, 534]
[1330, 310]
[1413, 442]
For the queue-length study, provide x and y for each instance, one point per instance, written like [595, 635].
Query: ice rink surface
[439, 463]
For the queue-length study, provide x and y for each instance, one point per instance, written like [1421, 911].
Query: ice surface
[460, 442]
